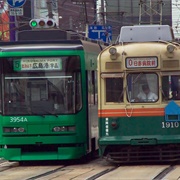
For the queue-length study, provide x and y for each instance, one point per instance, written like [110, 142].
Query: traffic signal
[42, 23]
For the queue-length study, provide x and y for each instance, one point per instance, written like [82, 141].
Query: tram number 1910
[170, 124]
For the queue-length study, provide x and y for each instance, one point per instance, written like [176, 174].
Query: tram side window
[114, 89]
[166, 88]
[92, 87]
[173, 86]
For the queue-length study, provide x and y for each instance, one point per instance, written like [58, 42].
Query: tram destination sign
[141, 62]
[34, 64]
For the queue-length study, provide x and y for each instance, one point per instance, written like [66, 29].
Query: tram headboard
[144, 33]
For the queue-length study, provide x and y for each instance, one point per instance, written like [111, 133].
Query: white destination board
[16, 12]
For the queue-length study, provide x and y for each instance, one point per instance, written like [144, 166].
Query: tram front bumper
[63, 153]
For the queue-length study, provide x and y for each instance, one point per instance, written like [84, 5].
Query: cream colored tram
[134, 125]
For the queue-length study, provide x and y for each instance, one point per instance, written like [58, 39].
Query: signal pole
[49, 7]
[102, 12]
[86, 20]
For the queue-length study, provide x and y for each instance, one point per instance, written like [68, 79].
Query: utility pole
[86, 20]
[102, 12]
[150, 10]
[49, 7]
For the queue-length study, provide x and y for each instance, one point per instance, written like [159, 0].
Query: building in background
[75, 15]
[4, 22]
[120, 13]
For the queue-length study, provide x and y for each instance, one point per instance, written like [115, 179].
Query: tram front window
[37, 92]
[142, 87]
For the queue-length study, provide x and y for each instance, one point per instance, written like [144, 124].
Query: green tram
[48, 99]
[139, 96]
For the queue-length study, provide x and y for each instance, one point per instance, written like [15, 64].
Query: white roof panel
[144, 33]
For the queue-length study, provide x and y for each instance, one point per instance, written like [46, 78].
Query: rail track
[97, 169]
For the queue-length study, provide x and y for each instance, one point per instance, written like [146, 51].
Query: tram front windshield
[41, 85]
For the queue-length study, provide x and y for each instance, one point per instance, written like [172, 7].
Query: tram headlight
[13, 130]
[21, 130]
[112, 50]
[63, 128]
[170, 48]
[56, 129]
[113, 53]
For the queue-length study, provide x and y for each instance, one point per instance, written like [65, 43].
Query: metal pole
[86, 20]
[140, 11]
[49, 7]
[151, 13]
[161, 11]
[102, 12]
[12, 28]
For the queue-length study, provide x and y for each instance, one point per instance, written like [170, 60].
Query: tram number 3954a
[18, 119]
[170, 124]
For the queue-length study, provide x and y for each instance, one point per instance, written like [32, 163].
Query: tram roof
[87, 46]
[37, 45]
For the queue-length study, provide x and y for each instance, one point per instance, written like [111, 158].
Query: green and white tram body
[48, 100]
[147, 130]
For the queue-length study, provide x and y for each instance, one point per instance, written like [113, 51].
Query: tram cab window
[142, 87]
[114, 89]
[175, 87]
[171, 87]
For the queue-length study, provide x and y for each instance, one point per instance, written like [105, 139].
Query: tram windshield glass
[142, 87]
[42, 85]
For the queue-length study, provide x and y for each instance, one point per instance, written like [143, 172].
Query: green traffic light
[33, 23]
